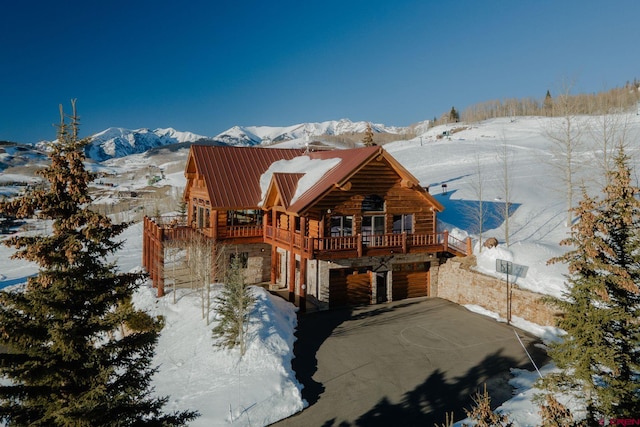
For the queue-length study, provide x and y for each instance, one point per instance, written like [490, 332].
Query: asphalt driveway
[402, 364]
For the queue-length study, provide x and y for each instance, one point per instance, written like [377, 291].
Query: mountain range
[118, 142]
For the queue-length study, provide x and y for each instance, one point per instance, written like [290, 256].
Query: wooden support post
[275, 262]
[291, 277]
[303, 284]
[446, 240]
[145, 248]
[404, 242]
[214, 226]
[359, 241]
[160, 262]
[303, 233]
[469, 247]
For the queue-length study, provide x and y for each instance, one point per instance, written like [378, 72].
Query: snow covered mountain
[119, 142]
[255, 135]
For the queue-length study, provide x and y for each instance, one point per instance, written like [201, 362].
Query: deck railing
[244, 231]
[176, 228]
[360, 244]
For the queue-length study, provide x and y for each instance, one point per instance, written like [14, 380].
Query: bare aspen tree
[206, 263]
[172, 251]
[478, 214]
[565, 135]
[608, 132]
[215, 266]
[505, 161]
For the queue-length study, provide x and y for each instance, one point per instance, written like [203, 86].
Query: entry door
[381, 287]
[372, 225]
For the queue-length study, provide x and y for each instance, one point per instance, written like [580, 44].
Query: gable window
[341, 226]
[403, 224]
[244, 217]
[373, 203]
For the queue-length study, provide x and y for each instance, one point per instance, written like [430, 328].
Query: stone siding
[459, 284]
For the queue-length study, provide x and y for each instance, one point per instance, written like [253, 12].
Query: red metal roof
[287, 184]
[232, 174]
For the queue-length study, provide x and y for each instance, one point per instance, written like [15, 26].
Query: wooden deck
[162, 234]
[343, 247]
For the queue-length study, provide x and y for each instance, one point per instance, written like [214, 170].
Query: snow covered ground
[261, 387]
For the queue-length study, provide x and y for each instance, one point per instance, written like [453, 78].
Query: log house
[339, 227]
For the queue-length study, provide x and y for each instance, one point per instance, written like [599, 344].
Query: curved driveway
[401, 364]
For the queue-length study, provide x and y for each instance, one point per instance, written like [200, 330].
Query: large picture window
[373, 203]
[244, 217]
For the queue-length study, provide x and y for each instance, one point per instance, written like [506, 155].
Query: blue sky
[205, 66]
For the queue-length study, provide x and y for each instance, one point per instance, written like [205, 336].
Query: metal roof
[287, 183]
[351, 160]
[232, 174]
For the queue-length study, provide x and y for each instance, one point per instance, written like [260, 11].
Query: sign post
[509, 268]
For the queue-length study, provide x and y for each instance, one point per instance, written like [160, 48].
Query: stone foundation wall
[258, 263]
[459, 284]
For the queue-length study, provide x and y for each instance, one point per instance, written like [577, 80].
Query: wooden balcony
[176, 228]
[327, 248]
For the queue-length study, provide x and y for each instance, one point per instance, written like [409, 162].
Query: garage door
[410, 280]
[348, 287]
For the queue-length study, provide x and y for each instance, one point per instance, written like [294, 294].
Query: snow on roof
[313, 170]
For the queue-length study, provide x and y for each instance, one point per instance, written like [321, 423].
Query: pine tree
[368, 136]
[548, 104]
[78, 352]
[234, 306]
[601, 351]
[454, 116]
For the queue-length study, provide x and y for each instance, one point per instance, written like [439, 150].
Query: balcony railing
[323, 247]
[360, 245]
[244, 231]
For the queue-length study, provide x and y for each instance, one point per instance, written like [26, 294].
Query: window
[200, 216]
[242, 257]
[373, 203]
[371, 225]
[341, 226]
[403, 223]
[244, 217]
[207, 218]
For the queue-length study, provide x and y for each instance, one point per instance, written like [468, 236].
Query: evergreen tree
[454, 116]
[78, 352]
[601, 351]
[234, 306]
[548, 104]
[368, 136]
